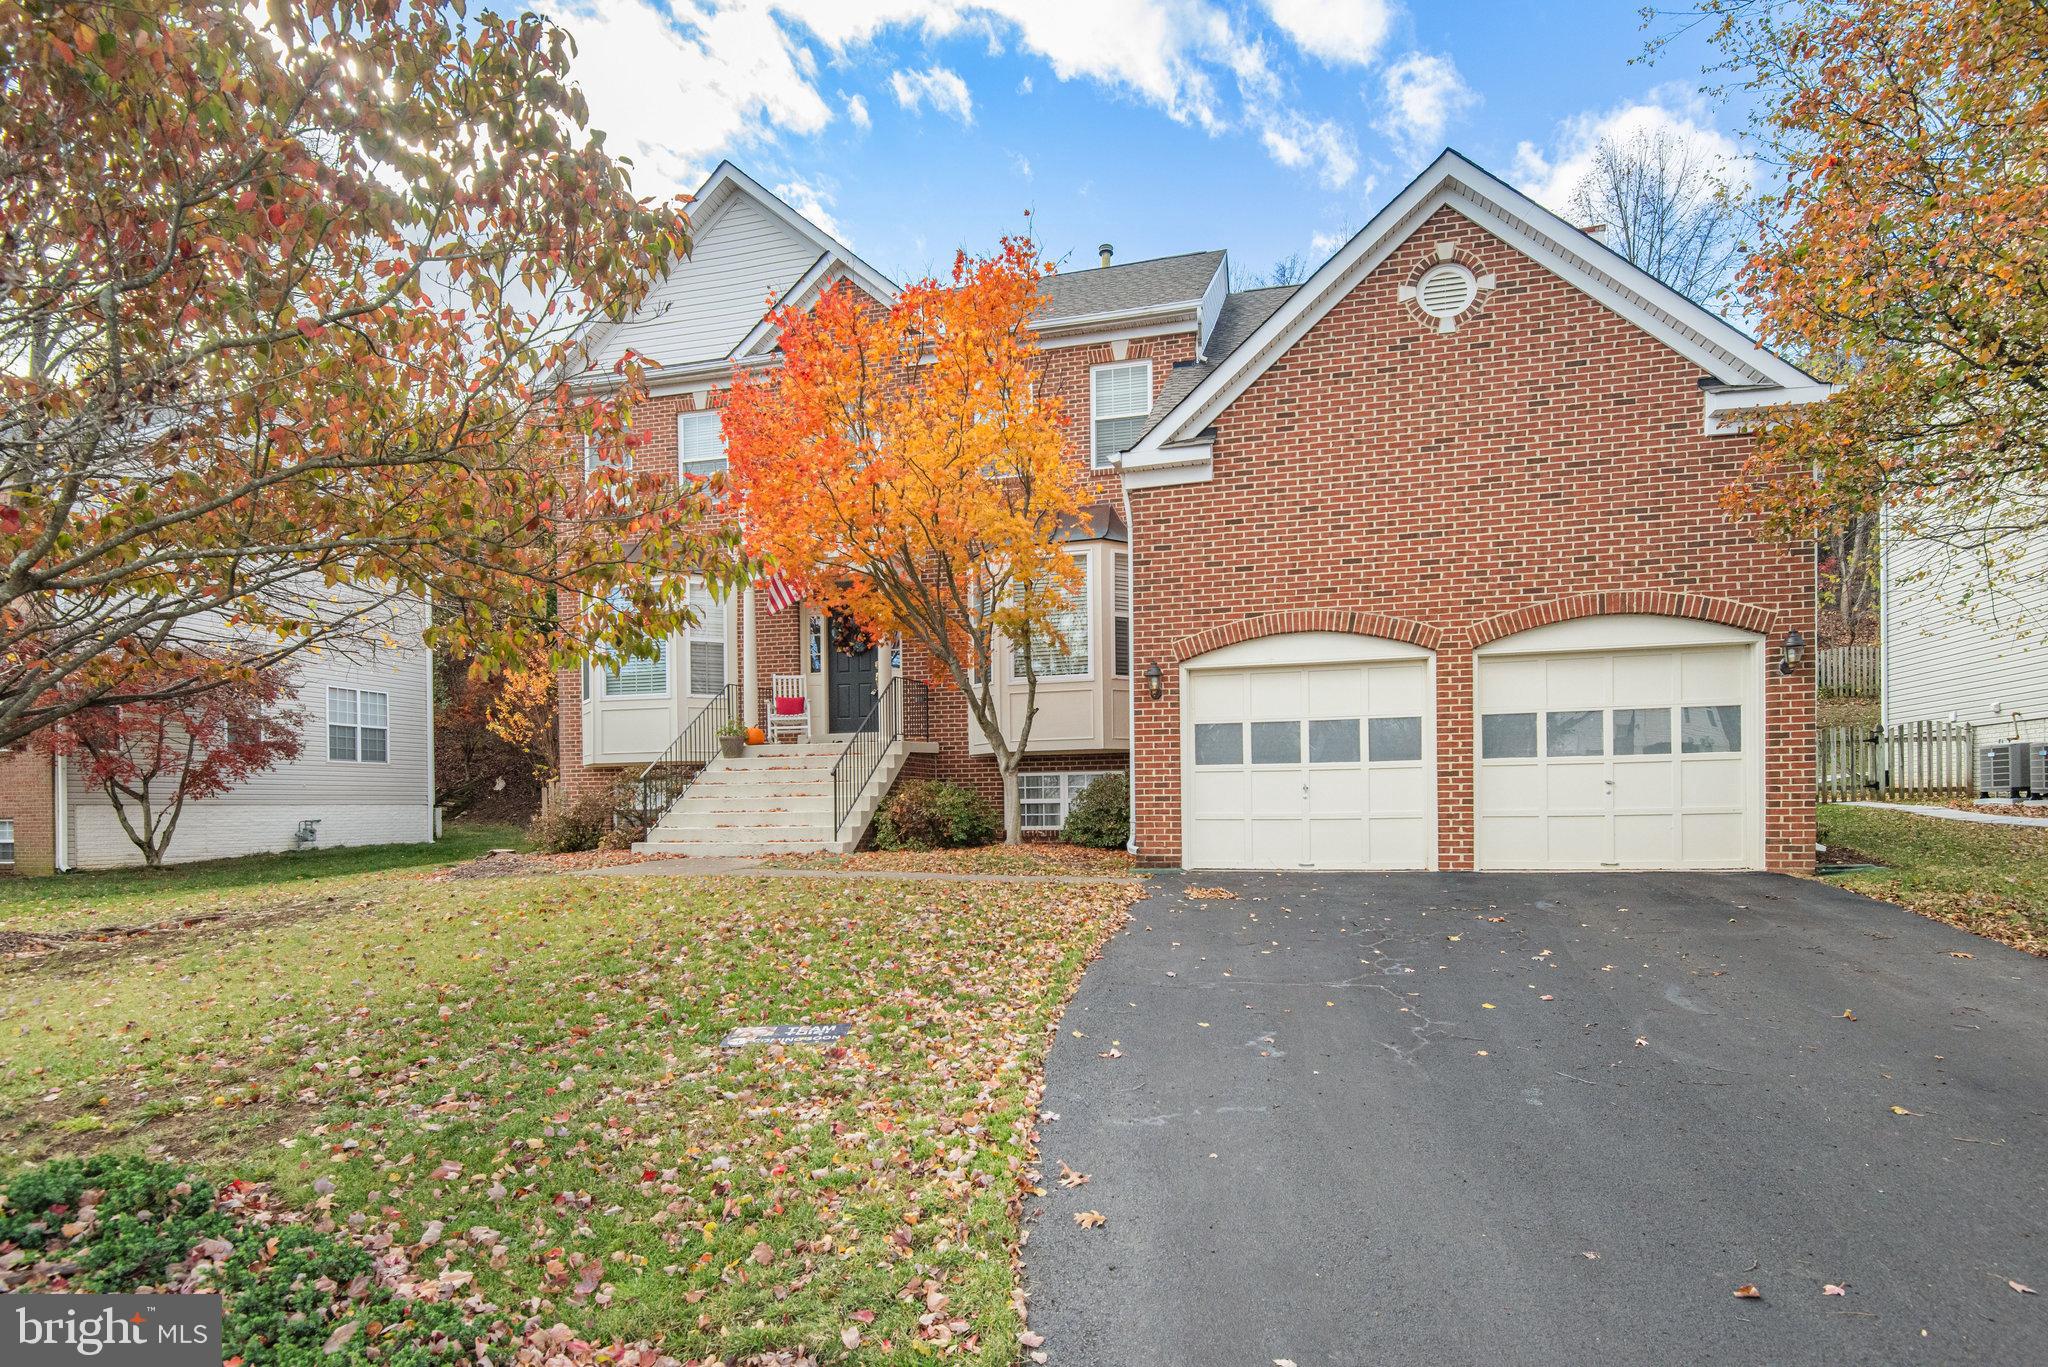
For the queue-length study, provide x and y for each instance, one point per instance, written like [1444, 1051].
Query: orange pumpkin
[755, 735]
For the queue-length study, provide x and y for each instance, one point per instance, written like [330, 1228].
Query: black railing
[881, 728]
[917, 709]
[666, 780]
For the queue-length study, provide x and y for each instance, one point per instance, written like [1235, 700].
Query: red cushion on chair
[789, 707]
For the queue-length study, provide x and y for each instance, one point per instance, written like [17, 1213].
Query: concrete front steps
[775, 799]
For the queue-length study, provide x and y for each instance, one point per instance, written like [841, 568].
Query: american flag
[779, 591]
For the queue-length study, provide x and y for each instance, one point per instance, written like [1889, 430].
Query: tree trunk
[1013, 806]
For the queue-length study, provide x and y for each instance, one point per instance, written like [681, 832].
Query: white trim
[683, 463]
[1618, 631]
[763, 336]
[357, 725]
[1192, 464]
[14, 853]
[1734, 410]
[1123, 322]
[1067, 792]
[1212, 306]
[1297, 648]
[1051, 340]
[1526, 226]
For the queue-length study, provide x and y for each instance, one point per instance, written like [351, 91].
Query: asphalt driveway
[1391, 1118]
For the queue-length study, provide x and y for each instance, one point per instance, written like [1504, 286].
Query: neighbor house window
[707, 644]
[1072, 624]
[6, 842]
[1045, 799]
[1120, 400]
[1123, 615]
[619, 458]
[358, 726]
[700, 444]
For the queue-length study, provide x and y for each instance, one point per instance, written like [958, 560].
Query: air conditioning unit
[2008, 769]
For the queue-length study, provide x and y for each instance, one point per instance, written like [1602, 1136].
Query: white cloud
[1334, 30]
[1424, 93]
[674, 93]
[1021, 164]
[1297, 141]
[1321, 245]
[678, 83]
[812, 201]
[1550, 174]
[943, 88]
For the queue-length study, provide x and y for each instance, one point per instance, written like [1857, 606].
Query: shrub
[584, 822]
[1100, 817]
[147, 1216]
[924, 815]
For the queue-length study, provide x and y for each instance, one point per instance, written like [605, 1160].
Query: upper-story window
[618, 457]
[700, 444]
[1071, 621]
[1120, 400]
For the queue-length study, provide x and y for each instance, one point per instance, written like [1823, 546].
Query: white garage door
[1309, 763]
[1643, 758]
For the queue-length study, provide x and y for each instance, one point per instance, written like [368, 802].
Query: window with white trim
[642, 676]
[1072, 623]
[1123, 616]
[619, 458]
[700, 444]
[707, 644]
[1044, 800]
[1120, 400]
[358, 726]
[6, 842]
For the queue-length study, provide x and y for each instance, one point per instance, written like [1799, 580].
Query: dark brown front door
[849, 682]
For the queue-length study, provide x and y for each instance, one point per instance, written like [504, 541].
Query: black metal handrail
[664, 781]
[878, 730]
[916, 709]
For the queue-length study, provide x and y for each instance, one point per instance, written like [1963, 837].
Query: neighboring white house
[364, 775]
[1960, 642]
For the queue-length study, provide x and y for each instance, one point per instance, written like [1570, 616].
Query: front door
[849, 681]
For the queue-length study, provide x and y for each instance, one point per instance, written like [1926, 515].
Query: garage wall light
[1792, 652]
[1155, 682]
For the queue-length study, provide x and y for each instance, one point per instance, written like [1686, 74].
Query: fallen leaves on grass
[1090, 1219]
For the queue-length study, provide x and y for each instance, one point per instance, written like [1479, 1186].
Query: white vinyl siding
[700, 444]
[707, 644]
[712, 298]
[1072, 623]
[1959, 644]
[1045, 799]
[1120, 400]
[358, 726]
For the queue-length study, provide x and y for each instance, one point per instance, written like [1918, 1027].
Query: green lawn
[139, 896]
[534, 1063]
[1992, 880]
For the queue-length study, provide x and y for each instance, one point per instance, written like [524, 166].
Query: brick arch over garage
[1646, 602]
[1339, 620]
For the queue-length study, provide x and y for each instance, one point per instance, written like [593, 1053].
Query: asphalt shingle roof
[1236, 321]
[1134, 285]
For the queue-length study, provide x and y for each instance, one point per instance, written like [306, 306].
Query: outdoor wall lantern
[1793, 651]
[1155, 682]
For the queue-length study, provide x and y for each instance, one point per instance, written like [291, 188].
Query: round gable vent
[1446, 291]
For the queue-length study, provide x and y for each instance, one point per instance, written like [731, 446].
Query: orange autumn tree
[902, 467]
[1905, 251]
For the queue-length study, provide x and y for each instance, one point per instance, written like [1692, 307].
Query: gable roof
[830, 259]
[1746, 374]
[1150, 286]
[1236, 321]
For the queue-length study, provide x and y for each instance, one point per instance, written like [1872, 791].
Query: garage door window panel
[1276, 742]
[1333, 741]
[1508, 735]
[1642, 731]
[1573, 735]
[1711, 730]
[1219, 743]
[1395, 740]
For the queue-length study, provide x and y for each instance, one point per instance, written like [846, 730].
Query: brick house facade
[1457, 496]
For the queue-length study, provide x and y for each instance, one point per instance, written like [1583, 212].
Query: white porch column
[750, 664]
[884, 670]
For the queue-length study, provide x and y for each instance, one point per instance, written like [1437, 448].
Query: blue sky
[912, 127]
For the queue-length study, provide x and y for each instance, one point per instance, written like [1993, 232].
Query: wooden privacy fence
[1848, 672]
[1919, 759]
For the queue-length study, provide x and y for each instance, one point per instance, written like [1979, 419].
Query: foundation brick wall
[28, 799]
[1544, 461]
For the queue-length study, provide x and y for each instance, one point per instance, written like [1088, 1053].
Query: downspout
[1131, 696]
[60, 825]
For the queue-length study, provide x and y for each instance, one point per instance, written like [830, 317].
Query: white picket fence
[1849, 671]
[1912, 760]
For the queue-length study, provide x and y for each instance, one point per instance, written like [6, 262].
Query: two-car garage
[1599, 743]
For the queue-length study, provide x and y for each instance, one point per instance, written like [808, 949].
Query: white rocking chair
[789, 708]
